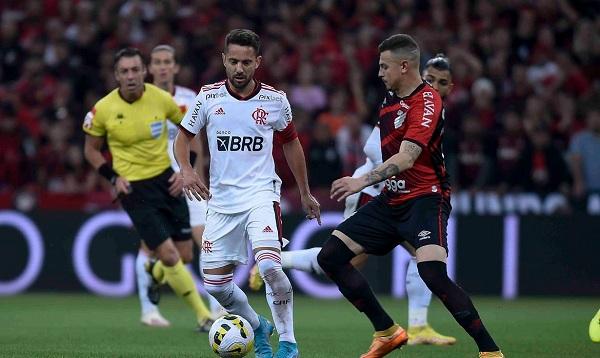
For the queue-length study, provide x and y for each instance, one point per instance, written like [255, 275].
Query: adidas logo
[219, 111]
[423, 235]
[267, 229]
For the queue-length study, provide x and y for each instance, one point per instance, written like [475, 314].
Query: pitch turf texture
[78, 325]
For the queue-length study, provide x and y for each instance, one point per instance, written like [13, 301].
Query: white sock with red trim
[230, 296]
[280, 296]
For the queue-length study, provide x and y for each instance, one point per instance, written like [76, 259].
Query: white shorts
[226, 236]
[197, 211]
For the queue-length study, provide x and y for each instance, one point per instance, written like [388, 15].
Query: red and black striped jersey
[418, 118]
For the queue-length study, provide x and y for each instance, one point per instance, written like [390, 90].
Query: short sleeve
[285, 115]
[94, 123]
[174, 113]
[423, 118]
[195, 117]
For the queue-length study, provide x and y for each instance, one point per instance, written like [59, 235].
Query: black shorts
[156, 214]
[379, 227]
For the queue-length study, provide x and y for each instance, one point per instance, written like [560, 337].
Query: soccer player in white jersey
[242, 116]
[437, 73]
[163, 67]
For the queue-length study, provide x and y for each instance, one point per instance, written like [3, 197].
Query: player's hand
[122, 187]
[344, 187]
[176, 186]
[311, 207]
[193, 187]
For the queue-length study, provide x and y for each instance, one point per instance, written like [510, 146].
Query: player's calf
[279, 293]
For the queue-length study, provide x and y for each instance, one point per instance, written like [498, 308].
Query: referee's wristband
[107, 172]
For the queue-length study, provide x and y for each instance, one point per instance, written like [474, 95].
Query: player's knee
[269, 264]
[433, 273]
[220, 288]
[186, 256]
[168, 255]
[334, 254]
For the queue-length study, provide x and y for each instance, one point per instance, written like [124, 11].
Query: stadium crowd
[523, 114]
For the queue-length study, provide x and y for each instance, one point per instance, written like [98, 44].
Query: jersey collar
[257, 87]
[415, 91]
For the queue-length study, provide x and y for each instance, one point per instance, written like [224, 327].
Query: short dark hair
[243, 37]
[401, 44]
[127, 52]
[440, 62]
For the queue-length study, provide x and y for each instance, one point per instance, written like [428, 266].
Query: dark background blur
[526, 84]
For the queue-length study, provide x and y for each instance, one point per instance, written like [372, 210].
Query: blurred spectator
[542, 168]
[13, 163]
[473, 156]
[584, 156]
[511, 143]
[306, 94]
[324, 162]
[533, 62]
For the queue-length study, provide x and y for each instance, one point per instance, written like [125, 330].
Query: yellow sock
[158, 272]
[387, 332]
[181, 281]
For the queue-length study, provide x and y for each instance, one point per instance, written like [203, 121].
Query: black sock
[334, 259]
[457, 302]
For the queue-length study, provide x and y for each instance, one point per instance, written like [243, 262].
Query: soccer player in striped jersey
[437, 73]
[413, 207]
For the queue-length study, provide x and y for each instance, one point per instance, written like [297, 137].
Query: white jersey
[184, 97]
[240, 141]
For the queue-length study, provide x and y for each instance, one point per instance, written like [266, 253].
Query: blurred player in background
[414, 205]
[437, 73]
[132, 119]
[163, 67]
[241, 117]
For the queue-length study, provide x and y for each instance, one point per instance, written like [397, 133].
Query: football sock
[303, 260]
[215, 306]
[182, 283]
[419, 296]
[143, 282]
[279, 293]
[457, 302]
[230, 296]
[334, 259]
[158, 272]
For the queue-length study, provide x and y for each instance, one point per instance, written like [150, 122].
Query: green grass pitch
[80, 325]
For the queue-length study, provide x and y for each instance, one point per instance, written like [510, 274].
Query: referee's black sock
[334, 259]
[457, 302]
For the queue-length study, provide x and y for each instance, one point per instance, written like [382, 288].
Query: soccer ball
[231, 336]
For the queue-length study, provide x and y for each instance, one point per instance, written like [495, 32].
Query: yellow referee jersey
[136, 132]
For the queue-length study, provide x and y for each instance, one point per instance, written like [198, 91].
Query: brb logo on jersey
[239, 144]
[260, 116]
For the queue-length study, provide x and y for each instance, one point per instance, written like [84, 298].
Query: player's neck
[131, 97]
[409, 85]
[244, 92]
[168, 86]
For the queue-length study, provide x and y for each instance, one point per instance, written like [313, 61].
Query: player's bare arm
[399, 162]
[294, 155]
[92, 150]
[193, 186]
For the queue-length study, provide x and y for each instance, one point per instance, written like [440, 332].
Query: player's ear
[176, 69]
[258, 61]
[223, 57]
[450, 87]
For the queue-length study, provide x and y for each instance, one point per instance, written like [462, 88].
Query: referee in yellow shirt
[132, 119]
